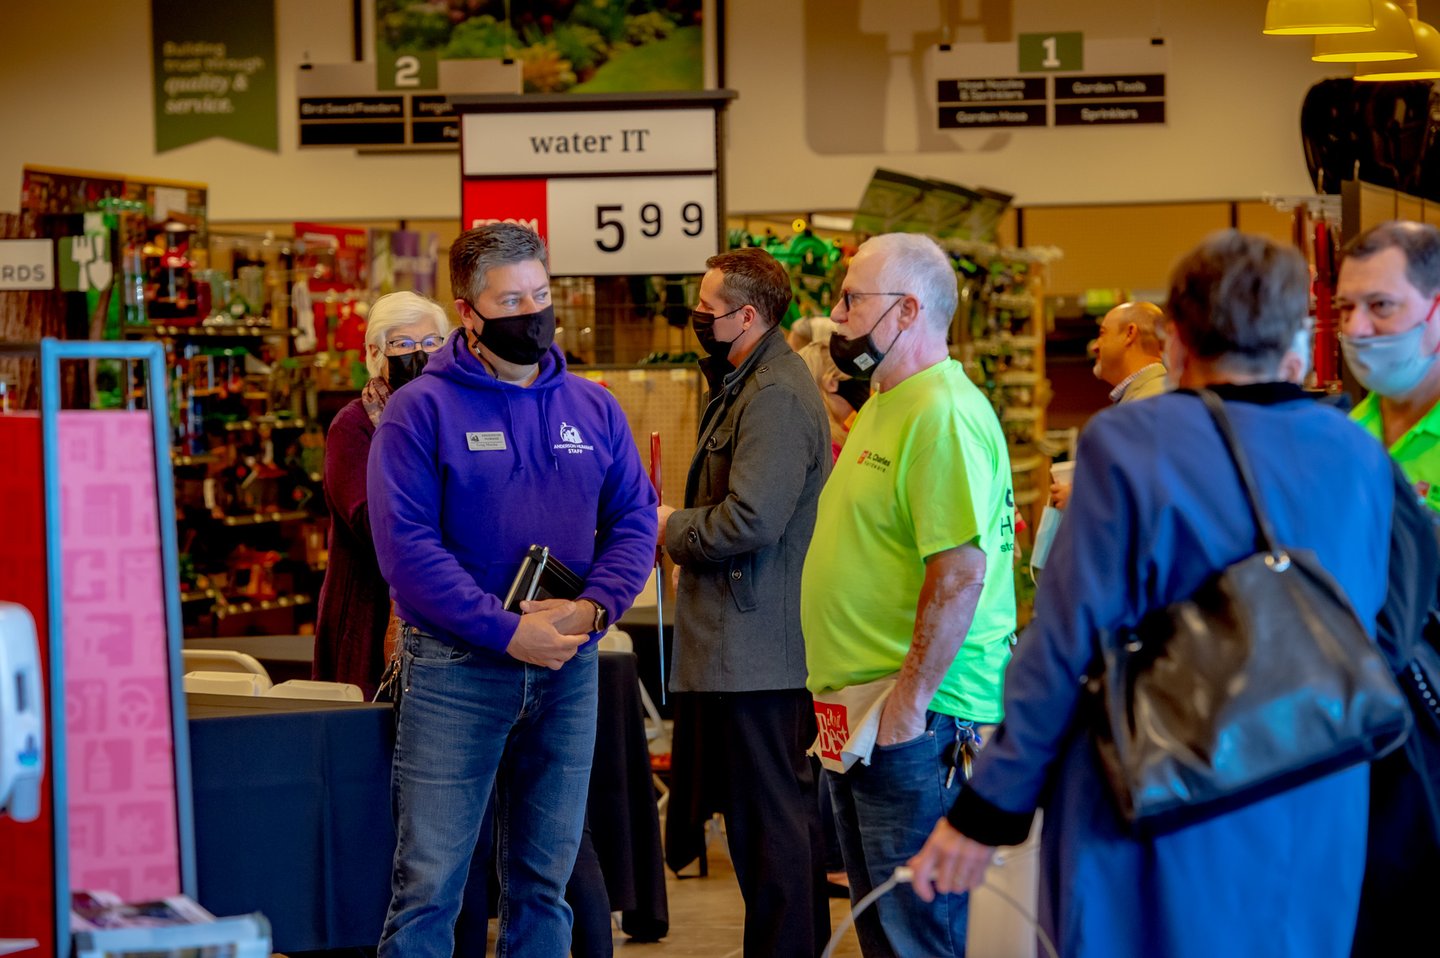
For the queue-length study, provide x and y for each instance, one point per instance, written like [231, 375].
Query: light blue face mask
[1388, 365]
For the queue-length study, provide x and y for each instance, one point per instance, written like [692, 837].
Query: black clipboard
[542, 576]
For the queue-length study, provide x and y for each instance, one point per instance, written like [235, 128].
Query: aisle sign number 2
[1051, 52]
[407, 71]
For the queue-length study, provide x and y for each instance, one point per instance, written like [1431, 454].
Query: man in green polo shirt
[1387, 294]
[908, 587]
[1388, 290]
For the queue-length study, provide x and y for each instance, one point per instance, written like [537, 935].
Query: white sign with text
[631, 225]
[27, 264]
[600, 141]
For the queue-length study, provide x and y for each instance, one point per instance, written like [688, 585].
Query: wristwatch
[602, 618]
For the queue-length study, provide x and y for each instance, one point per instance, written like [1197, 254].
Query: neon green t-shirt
[1417, 452]
[924, 469]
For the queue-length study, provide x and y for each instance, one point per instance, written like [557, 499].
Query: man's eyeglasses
[849, 296]
[407, 345]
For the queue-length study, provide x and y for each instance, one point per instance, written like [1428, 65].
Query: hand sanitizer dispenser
[22, 715]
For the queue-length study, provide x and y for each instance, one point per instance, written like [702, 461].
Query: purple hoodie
[467, 472]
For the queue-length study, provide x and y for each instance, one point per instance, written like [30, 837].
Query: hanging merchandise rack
[1316, 230]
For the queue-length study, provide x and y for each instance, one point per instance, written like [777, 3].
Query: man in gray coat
[742, 709]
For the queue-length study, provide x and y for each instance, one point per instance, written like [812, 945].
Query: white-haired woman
[843, 395]
[401, 331]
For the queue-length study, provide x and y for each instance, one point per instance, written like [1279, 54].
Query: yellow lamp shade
[1392, 39]
[1285, 17]
[1425, 65]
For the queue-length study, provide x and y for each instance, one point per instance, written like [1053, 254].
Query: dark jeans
[471, 721]
[884, 812]
[753, 746]
[834, 858]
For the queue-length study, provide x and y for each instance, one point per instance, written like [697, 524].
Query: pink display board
[120, 751]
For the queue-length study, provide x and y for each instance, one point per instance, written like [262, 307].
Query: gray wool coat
[762, 456]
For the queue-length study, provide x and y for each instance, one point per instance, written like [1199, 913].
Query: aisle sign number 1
[1051, 52]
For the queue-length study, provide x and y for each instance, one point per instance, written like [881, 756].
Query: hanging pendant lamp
[1286, 17]
[1425, 65]
[1392, 39]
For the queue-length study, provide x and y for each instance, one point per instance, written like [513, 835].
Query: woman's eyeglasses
[407, 345]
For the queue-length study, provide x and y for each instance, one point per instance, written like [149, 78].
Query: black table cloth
[292, 813]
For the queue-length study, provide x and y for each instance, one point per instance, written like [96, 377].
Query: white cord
[903, 875]
[875, 895]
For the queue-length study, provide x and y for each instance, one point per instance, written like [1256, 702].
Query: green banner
[214, 72]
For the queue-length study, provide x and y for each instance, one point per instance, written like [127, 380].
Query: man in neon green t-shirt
[1387, 294]
[909, 577]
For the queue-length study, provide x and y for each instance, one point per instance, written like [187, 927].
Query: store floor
[706, 918]
[707, 915]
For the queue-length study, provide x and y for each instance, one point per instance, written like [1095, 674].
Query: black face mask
[404, 369]
[853, 391]
[858, 358]
[704, 324]
[520, 340]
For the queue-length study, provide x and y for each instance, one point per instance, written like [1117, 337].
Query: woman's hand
[949, 863]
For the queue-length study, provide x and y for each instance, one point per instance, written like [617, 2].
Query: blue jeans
[883, 813]
[471, 719]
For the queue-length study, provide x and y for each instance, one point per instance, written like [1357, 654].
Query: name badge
[485, 441]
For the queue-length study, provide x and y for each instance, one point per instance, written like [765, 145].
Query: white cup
[1062, 472]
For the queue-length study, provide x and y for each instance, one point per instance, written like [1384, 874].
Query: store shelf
[251, 606]
[1007, 343]
[261, 518]
[203, 595]
[209, 332]
[203, 459]
[286, 423]
[1018, 303]
[1018, 377]
[1022, 464]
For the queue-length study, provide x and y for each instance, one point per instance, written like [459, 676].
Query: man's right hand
[538, 641]
[1059, 494]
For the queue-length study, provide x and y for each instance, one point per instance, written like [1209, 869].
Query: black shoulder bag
[1261, 681]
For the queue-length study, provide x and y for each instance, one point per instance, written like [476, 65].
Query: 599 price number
[636, 225]
[610, 223]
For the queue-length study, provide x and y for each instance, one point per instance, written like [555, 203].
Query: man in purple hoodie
[493, 449]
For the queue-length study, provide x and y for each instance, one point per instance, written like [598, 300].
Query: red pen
[655, 480]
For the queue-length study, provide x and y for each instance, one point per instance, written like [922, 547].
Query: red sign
[833, 724]
[27, 849]
[335, 257]
[504, 201]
